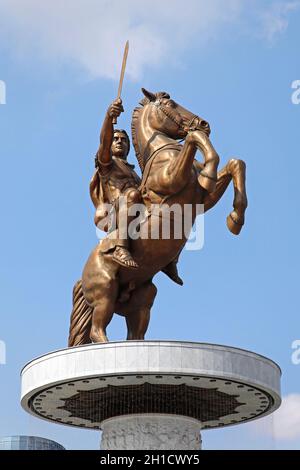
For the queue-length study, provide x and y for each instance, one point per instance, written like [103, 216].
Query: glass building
[28, 443]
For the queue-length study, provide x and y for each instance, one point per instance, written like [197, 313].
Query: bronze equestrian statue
[117, 278]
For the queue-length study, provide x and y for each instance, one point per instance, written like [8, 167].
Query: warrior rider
[115, 177]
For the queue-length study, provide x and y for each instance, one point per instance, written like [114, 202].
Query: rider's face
[119, 146]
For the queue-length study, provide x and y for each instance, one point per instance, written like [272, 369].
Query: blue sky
[232, 65]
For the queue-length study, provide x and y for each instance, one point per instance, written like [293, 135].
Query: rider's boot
[123, 257]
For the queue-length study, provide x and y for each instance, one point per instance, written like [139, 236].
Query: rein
[191, 125]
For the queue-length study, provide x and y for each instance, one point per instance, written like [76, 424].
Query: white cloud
[92, 33]
[287, 418]
[284, 423]
[275, 20]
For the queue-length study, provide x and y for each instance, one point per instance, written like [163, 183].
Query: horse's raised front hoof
[233, 225]
[207, 182]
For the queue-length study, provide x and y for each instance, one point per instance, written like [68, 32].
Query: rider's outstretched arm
[107, 133]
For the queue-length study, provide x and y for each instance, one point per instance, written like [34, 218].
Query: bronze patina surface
[118, 276]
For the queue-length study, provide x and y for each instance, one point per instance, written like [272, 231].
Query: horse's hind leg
[100, 287]
[104, 306]
[138, 310]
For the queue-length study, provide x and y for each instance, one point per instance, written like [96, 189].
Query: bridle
[195, 123]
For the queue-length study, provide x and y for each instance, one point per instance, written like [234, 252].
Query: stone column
[151, 432]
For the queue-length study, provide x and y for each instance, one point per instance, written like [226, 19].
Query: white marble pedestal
[151, 394]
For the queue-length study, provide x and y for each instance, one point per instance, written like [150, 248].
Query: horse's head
[171, 118]
[161, 116]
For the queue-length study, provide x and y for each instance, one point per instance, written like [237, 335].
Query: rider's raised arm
[107, 133]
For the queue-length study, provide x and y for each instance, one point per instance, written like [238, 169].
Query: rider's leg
[122, 253]
[123, 256]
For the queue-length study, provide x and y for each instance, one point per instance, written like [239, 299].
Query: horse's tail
[81, 318]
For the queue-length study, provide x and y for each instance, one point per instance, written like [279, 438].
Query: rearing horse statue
[171, 175]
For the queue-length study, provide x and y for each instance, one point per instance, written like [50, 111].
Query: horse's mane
[134, 121]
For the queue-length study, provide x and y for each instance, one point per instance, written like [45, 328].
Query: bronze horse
[171, 175]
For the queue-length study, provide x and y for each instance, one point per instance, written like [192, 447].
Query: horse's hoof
[207, 182]
[234, 226]
[98, 338]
